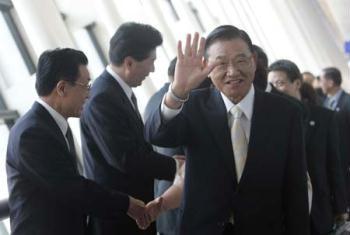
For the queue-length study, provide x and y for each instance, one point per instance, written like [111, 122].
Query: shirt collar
[268, 88]
[127, 90]
[59, 119]
[336, 96]
[246, 104]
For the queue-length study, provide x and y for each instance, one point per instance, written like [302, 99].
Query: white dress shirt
[63, 125]
[59, 119]
[126, 88]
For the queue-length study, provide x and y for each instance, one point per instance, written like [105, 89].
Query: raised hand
[190, 70]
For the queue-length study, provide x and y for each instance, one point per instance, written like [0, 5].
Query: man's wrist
[178, 95]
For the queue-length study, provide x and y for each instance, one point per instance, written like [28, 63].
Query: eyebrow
[237, 56]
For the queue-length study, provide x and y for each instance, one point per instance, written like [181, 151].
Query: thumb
[159, 202]
[209, 67]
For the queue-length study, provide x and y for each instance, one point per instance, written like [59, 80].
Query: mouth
[234, 82]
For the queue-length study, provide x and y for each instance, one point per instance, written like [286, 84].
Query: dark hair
[333, 74]
[260, 79]
[290, 68]
[227, 32]
[135, 40]
[307, 73]
[171, 68]
[55, 65]
[308, 94]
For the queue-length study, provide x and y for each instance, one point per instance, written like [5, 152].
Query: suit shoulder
[280, 103]
[30, 124]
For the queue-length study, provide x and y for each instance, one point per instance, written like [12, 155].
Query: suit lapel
[117, 90]
[258, 131]
[216, 118]
[339, 106]
[54, 128]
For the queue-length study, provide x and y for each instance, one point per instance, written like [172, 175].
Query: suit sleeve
[110, 125]
[172, 133]
[295, 198]
[334, 170]
[45, 162]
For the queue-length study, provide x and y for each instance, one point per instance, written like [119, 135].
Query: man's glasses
[86, 86]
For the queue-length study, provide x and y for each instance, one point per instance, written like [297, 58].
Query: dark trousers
[229, 229]
[313, 230]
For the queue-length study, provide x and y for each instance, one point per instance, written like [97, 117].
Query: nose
[152, 68]
[232, 70]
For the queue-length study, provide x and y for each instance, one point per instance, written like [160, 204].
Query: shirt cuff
[168, 113]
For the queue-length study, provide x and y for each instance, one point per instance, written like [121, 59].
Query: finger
[188, 45]
[148, 218]
[201, 47]
[210, 67]
[160, 204]
[180, 55]
[141, 222]
[194, 44]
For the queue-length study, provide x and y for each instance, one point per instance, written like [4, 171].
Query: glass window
[85, 44]
[4, 133]
[10, 56]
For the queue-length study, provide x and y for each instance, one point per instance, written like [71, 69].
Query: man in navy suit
[167, 222]
[339, 101]
[322, 151]
[47, 193]
[245, 163]
[115, 152]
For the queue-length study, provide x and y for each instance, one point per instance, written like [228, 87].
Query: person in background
[309, 78]
[339, 101]
[322, 151]
[167, 222]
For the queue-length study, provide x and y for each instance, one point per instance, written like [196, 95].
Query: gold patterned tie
[239, 141]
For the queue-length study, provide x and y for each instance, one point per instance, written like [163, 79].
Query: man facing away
[47, 193]
[245, 163]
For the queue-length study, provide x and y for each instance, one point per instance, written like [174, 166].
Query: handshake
[143, 214]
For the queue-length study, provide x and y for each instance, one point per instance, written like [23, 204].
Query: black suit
[272, 194]
[116, 154]
[343, 117]
[47, 195]
[323, 161]
[167, 222]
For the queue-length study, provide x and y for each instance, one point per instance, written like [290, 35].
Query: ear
[298, 83]
[128, 62]
[61, 88]
[255, 60]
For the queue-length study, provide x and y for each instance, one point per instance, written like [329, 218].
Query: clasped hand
[143, 214]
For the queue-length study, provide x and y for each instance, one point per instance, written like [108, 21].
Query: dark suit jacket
[47, 195]
[167, 222]
[116, 154]
[272, 195]
[343, 117]
[323, 163]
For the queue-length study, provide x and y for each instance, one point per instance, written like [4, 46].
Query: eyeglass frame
[86, 86]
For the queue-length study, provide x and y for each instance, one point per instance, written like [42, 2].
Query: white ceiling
[339, 13]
